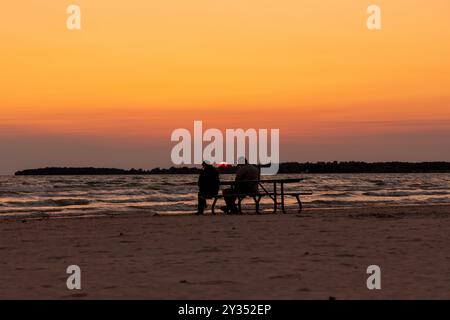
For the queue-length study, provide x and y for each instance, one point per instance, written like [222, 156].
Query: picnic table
[278, 192]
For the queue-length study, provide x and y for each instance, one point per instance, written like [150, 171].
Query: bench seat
[257, 199]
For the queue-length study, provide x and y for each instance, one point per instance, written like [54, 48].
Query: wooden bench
[257, 199]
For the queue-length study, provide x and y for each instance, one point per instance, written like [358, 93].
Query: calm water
[96, 195]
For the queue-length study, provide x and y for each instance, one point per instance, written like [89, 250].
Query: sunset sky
[111, 93]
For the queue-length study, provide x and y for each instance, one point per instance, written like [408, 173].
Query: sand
[315, 255]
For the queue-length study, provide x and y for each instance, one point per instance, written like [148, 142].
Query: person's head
[205, 164]
[242, 161]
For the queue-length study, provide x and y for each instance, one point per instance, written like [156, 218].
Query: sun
[223, 164]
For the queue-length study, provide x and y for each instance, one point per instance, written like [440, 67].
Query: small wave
[118, 201]
[438, 200]
[51, 203]
[29, 189]
[160, 208]
[330, 203]
[337, 203]
[377, 182]
[403, 193]
[152, 187]
[168, 198]
[167, 183]
[70, 202]
[336, 195]
[98, 183]
[131, 185]
[29, 211]
[155, 198]
[9, 193]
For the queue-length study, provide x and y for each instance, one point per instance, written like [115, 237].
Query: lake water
[176, 194]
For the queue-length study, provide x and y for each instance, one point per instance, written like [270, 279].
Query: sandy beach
[314, 255]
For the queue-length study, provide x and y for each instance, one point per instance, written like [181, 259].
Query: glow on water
[177, 194]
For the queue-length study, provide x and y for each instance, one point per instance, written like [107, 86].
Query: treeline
[289, 167]
[365, 167]
[61, 171]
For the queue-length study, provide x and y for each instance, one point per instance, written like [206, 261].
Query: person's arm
[240, 175]
[200, 179]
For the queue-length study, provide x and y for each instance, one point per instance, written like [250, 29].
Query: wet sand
[314, 255]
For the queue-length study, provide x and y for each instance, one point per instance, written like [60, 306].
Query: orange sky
[139, 69]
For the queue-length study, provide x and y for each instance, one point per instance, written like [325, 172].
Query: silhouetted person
[245, 173]
[208, 184]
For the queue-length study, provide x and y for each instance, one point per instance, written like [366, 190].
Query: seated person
[245, 173]
[209, 184]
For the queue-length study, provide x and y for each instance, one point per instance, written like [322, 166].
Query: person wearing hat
[208, 184]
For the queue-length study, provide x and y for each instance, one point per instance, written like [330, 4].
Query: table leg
[282, 197]
[214, 206]
[275, 201]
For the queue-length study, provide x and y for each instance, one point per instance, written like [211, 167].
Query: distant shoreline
[288, 167]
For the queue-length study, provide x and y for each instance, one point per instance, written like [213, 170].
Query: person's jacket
[245, 173]
[209, 181]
